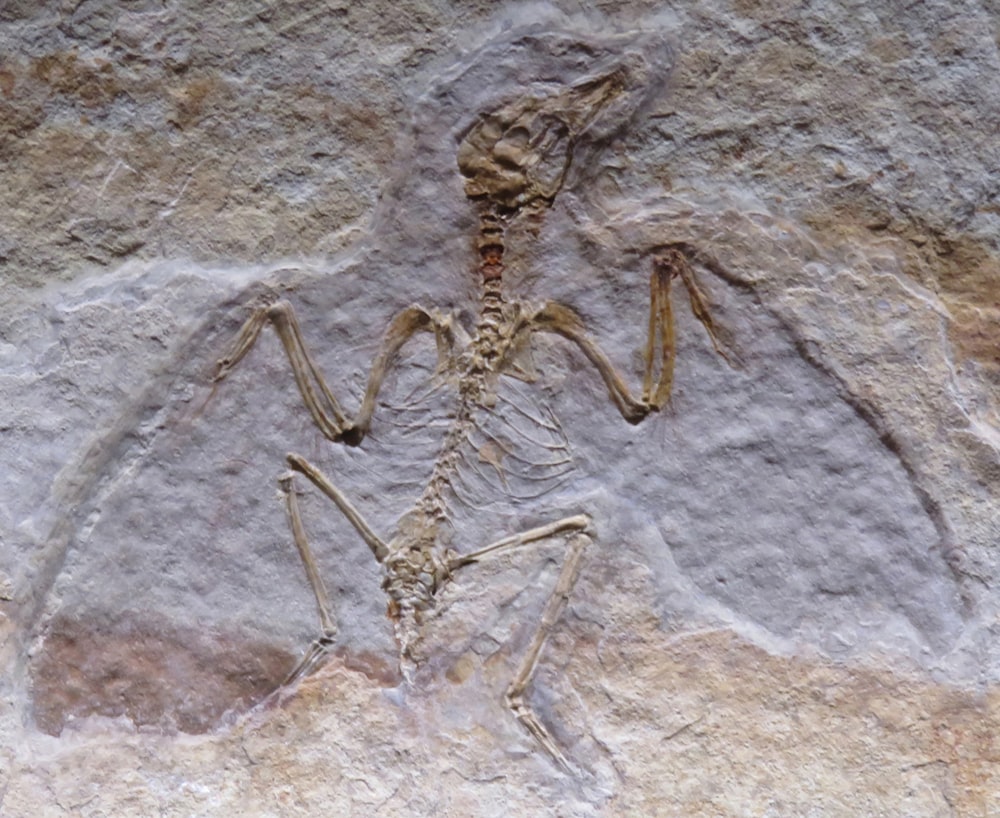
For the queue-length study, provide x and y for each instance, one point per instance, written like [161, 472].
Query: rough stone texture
[791, 607]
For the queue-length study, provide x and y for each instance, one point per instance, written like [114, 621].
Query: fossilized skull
[517, 156]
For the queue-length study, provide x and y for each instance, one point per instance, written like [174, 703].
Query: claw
[525, 715]
[312, 661]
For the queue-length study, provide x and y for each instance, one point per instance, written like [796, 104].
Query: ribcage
[516, 451]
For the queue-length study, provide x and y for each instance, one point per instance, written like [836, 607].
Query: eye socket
[517, 136]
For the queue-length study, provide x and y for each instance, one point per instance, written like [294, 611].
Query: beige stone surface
[697, 724]
[790, 607]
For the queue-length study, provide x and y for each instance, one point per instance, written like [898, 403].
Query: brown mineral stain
[150, 673]
[190, 101]
[961, 269]
[740, 708]
[162, 676]
[7, 82]
[384, 672]
[93, 82]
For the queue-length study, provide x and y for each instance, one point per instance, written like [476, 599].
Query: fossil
[514, 160]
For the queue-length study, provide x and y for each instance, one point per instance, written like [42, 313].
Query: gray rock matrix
[788, 603]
